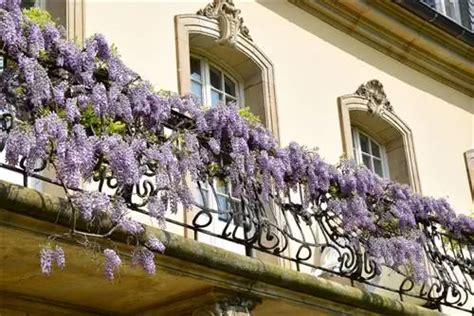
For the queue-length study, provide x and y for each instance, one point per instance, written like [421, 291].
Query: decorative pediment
[373, 91]
[230, 22]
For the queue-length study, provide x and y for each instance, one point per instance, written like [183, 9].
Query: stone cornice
[396, 32]
[19, 206]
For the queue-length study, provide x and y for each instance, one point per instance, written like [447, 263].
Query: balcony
[219, 217]
[295, 244]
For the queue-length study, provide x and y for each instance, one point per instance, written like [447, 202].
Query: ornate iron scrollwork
[309, 237]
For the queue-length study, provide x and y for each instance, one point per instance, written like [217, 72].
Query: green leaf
[117, 127]
[247, 115]
[37, 15]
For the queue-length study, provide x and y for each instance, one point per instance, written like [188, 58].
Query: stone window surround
[469, 160]
[187, 24]
[353, 102]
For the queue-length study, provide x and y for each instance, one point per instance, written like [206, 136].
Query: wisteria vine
[88, 115]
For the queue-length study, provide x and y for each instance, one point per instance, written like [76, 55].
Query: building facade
[389, 84]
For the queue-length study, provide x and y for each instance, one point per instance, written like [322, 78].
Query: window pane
[229, 86]
[378, 167]
[26, 4]
[195, 69]
[202, 194]
[215, 97]
[196, 89]
[223, 201]
[216, 81]
[375, 149]
[452, 10]
[220, 186]
[367, 161]
[364, 143]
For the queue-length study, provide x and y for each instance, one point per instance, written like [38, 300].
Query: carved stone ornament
[230, 22]
[373, 91]
[229, 306]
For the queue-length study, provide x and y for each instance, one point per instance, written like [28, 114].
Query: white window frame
[441, 8]
[212, 200]
[356, 132]
[205, 82]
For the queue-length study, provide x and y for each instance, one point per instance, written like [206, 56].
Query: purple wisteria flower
[48, 256]
[90, 117]
[112, 263]
[145, 258]
[155, 244]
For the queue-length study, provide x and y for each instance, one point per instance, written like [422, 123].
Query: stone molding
[75, 21]
[230, 305]
[230, 21]
[402, 35]
[469, 160]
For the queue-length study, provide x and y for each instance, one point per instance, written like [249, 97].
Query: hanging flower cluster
[88, 115]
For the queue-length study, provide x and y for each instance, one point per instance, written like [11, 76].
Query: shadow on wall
[367, 54]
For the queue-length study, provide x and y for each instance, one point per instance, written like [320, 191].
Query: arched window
[375, 136]
[215, 52]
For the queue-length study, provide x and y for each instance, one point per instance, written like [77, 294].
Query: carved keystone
[230, 22]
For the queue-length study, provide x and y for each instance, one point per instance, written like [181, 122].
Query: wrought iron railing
[312, 239]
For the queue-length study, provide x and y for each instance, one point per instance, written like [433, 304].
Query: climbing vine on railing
[85, 114]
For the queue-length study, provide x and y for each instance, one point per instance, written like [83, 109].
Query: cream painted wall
[314, 64]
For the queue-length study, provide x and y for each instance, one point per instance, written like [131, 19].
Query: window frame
[209, 199]
[358, 152]
[441, 5]
[206, 64]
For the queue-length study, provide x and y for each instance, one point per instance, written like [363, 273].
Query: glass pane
[216, 81]
[451, 10]
[202, 195]
[375, 149]
[26, 4]
[195, 69]
[378, 167]
[367, 161]
[220, 186]
[215, 97]
[223, 201]
[229, 86]
[196, 89]
[364, 143]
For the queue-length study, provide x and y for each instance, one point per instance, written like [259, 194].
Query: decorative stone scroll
[230, 22]
[373, 91]
[228, 306]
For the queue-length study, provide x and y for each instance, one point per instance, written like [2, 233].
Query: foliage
[247, 114]
[88, 115]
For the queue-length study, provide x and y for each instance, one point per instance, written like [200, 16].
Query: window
[213, 85]
[370, 153]
[240, 71]
[448, 8]
[374, 135]
[220, 199]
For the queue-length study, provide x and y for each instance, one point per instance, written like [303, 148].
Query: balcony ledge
[27, 217]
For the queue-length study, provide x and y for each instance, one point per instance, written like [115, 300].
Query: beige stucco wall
[314, 64]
